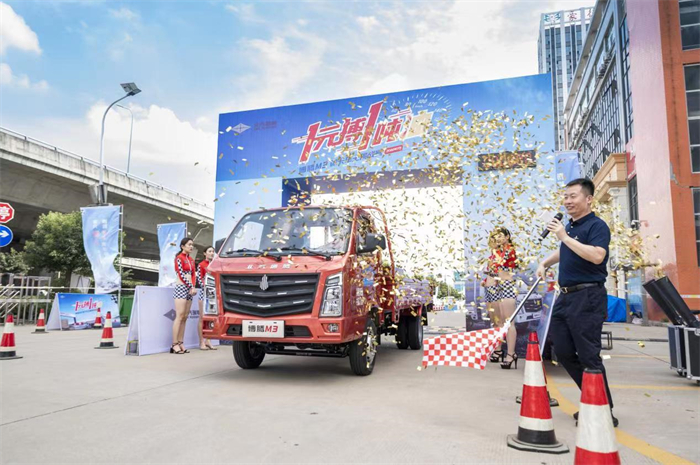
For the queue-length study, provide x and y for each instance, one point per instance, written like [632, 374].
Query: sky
[61, 64]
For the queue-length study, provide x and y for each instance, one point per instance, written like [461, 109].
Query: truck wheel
[415, 332]
[363, 351]
[402, 334]
[248, 354]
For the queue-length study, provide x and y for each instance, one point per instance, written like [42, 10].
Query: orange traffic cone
[107, 341]
[535, 428]
[552, 401]
[40, 323]
[98, 320]
[595, 439]
[7, 346]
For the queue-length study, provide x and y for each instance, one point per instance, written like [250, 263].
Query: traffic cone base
[103, 345]
[552, 401]
[556, 448]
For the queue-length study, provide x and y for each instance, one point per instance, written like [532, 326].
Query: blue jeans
[576, 326]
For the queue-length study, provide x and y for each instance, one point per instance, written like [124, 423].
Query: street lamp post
[130, 89]
[131, 133]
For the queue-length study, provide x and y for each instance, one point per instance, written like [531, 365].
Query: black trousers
[576, 326]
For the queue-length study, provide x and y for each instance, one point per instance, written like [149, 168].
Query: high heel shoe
[182, 348]
[173, 351]
[496, 356]
[513, 358]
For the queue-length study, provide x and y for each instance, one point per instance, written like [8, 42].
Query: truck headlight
[332, 305]
[210, 306]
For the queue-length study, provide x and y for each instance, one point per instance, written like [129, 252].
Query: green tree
[57, 245]
[444, 290]
[13, 262]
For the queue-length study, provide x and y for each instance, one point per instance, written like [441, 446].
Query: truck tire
[248, 355]
[363, 352]
[415, 332]
[402, 334]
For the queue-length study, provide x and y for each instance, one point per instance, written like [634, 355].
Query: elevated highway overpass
[36, 177]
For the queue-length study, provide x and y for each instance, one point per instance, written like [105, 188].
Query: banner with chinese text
[101, 231]
[264, 155]
[78, 311]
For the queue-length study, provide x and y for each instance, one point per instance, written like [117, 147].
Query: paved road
[65, 402]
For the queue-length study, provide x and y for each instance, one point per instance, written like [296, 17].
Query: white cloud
[244, 11]
[14, 32]
[283, 64]
[368, 23]
[124, 14]
[20, 81]
[164, 150]
[390, 47]
[118, 49]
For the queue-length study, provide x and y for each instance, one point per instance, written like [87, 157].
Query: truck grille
[269, 294]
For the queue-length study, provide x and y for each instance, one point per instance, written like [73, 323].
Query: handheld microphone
[544, 234]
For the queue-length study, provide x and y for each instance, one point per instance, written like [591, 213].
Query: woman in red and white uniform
[204, 344]
[501, 288]
[183, 293]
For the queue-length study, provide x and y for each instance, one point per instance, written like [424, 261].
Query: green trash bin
[125, 308]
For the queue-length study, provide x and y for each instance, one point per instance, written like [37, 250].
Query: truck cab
[311, 281]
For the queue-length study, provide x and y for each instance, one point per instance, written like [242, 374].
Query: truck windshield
[295, 232]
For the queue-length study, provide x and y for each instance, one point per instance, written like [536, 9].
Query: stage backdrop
[259, 149]
[78, 311]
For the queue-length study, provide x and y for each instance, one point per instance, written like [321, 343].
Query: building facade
[646, 53]
[562, 34]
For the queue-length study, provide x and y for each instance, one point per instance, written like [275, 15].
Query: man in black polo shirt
[581, 308]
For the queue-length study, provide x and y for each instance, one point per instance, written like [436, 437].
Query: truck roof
[300, 207]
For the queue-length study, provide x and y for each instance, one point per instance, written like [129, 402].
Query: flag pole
[522, 302]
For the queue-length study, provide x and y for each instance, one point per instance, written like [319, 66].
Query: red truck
[312, 281]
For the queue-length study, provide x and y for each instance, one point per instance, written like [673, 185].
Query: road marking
[655, 453]
[638, 356]
[641, 386]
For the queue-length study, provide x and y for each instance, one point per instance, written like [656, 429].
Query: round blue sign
[5, 235]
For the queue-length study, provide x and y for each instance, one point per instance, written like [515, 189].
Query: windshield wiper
[307, 252]
[257, 252]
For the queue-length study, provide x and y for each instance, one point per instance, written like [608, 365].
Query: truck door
[368, 263]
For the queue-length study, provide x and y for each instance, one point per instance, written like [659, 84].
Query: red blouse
[503, 259]
[185, 269]
[202, 273]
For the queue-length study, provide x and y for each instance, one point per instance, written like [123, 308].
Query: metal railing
[23, 297]
[96, 164]
[25, 302]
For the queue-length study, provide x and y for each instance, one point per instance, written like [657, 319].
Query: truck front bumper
[298, 329]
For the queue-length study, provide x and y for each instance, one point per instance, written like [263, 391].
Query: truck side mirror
[372, 243]
[218, 244]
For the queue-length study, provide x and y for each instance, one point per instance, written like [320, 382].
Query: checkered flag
[470, 350]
